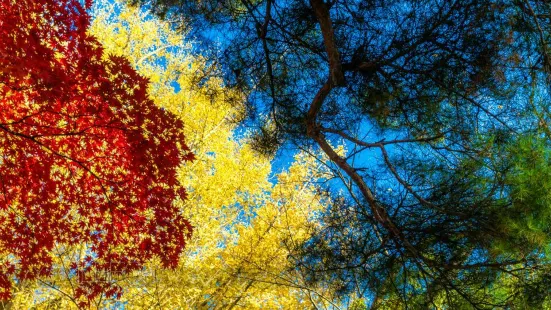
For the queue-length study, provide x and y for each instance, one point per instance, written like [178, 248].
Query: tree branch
[321, 10]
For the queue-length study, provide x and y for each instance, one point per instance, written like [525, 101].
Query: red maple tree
[85, 156]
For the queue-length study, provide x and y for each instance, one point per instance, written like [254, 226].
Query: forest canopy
[443, 108]
[347, 154]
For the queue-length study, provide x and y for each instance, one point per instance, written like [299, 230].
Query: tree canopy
[86, 158]
[420, 176]
[442, 106]
[244, 225]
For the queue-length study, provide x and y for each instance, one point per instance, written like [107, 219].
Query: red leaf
[80, 149]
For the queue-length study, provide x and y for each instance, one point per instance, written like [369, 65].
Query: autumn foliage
[86, 157]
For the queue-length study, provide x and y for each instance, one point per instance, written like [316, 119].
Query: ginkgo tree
[245, 227]
[86, 158]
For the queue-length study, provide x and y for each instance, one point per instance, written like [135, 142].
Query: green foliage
[528, 217]
[358, 304]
